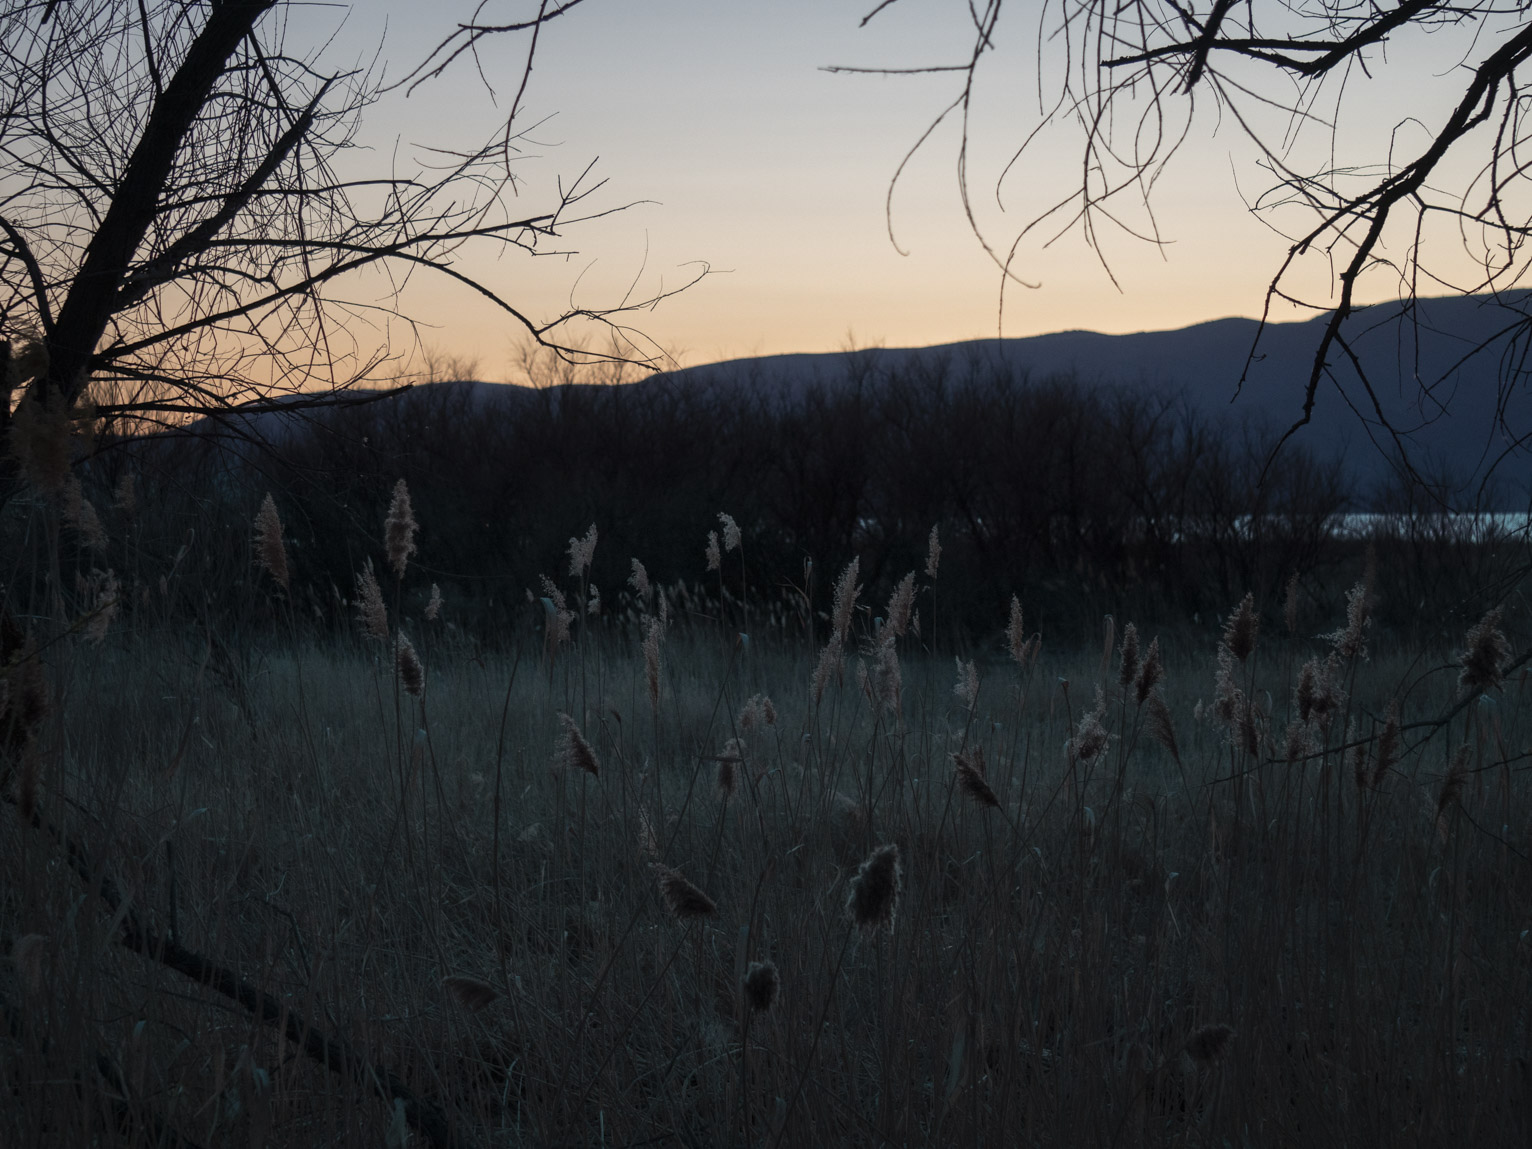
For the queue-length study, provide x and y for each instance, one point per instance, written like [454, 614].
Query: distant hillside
[1437, 372]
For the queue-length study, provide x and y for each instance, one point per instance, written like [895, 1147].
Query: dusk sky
[774, 171]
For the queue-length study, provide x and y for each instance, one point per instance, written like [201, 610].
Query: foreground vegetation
[658, 868]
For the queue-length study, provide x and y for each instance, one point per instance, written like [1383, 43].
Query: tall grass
[630, 884]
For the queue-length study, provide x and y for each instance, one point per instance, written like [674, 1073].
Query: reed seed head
[828, 667]
[967, 685]
[434, 605]
[1016, 634]
[1487, 652]
[1239, 633]
[582, 552]
[653, 633]
[731, 536]
[574, 753]
[900, 604]
[1127, 671]
[874, 896]
[846, 591]
[399, 529]
[412, 673]
[971, 780]
[370, 609]
[1151, 673]
[714, 555]
[1091, 736]
[933, 553]
[639, 581]
[1349, 641]
[684, 900]
[1160, 726]
[270, 551]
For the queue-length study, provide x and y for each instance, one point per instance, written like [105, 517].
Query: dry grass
[1120, 925]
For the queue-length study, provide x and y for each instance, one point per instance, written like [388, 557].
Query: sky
[717, 121]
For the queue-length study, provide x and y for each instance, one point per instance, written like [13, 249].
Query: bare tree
[1444, 208]
[186, 228]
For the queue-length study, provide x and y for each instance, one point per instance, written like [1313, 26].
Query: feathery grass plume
[653, 633]
[369, 604]
[469, 992]
[933, 553]
[762, 984]
[103, 595]
[639, 581]
[846, 591]
[270, 551]
[1290, 606]
[970, 776]
[1307, 689]
[1228, 698]
[729, 760]
[884, 683]
[434, 606]
[1209, 1043]
[557, 616]
[684, 900]
[593, 601]
[828, 667]
[40, 433]
[1151, 673]
[1016, 634]
[1127, 672]
[757, 711]
[124, 497]
[1297, 744]
[582, 552]
[714, 555]
[731, 536]
[399, 529]
[1487, 653]
[900, 604]
[967, 685]
[1389, 744]
[1091, 737]
[27, 955]
[874, 896]
[412, 674]
[1452, 789]
[1328, 696]
[80, 515]
[574, 753]
[1239, 633]
[1349, 642]
[1160, 726]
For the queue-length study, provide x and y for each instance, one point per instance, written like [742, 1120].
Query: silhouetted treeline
[1080, 499]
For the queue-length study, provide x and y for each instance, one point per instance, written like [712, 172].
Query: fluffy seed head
[970, 776]
[762, 984]
[933, 553]
[729, 761]
[582, 552]
[639, 581]
[731, 537]
[874, 896]
[102, 595]
[900, 604]
[1349, 641]
[574, 753]
[80, 514]
[846, 591]
[1127, 672]
[412, 674]
[1091, 737]
[399, 529]
[434, 606]
[270, 551]
[714, 555]
[653, 633]
[1151, 673]
[1484, 659]
[1016, 633]
[1240, 631]
[684, 900]
[967, 685]
[369, 604]
[1160, 726]
[828, 667]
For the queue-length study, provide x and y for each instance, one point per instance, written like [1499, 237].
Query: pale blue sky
[775, 173]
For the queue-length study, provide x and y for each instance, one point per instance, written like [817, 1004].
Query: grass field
[631, 886]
